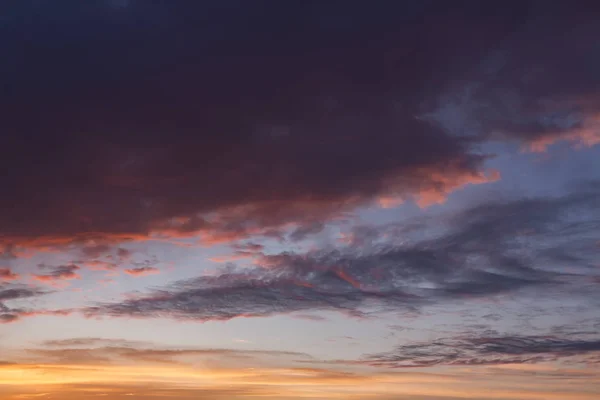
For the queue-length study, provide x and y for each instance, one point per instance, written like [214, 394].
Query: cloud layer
[224, 130]
[105, 351]
[517, 246]
[482, 350]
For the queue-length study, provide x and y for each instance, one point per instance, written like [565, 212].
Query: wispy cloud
[62, 272]
[14, 292]
[506, 96]
[142, 271]
[488, 250]
[107, 351]
[486, 350]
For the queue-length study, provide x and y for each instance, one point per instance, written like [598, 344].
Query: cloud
[515, 247]
[483, 350]
[62, 272]
[531, 94]
[142, 271]
[104, 351]
[249, 247]
[91, 341]
[248, 143]
[8, 318]
[11, 292]
[15, 292]
[7, 275]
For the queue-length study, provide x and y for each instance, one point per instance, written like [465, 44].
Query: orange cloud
[75, 381]
[587, 135]
[446, 184]
[63, 272]
[142, 271]
[439, 183]
[274, 217]
[6, 274]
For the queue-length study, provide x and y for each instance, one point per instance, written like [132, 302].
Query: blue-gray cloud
[542, 244]
[485, 350]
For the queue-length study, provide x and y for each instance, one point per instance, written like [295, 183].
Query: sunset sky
[299, 199]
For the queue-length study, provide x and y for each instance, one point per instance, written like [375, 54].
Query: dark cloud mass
[488, 250]
[231, 118]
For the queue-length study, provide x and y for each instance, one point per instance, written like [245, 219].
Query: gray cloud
[10, 292]
[485, 350]
[488, 250]
[15, 292]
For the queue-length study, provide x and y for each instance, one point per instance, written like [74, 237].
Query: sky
[301, 199]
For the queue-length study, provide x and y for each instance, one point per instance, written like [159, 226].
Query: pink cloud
[142, 271]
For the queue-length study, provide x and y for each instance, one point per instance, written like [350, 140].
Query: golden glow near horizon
[19, 381]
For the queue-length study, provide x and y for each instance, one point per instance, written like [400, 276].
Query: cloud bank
[223, 131]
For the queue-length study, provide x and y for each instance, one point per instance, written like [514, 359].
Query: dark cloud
[7, 252]
[227, 119]
[15, 292]
[481, 350]
[8, 318]
[531, 93]
[488, 250]
[11, 292]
